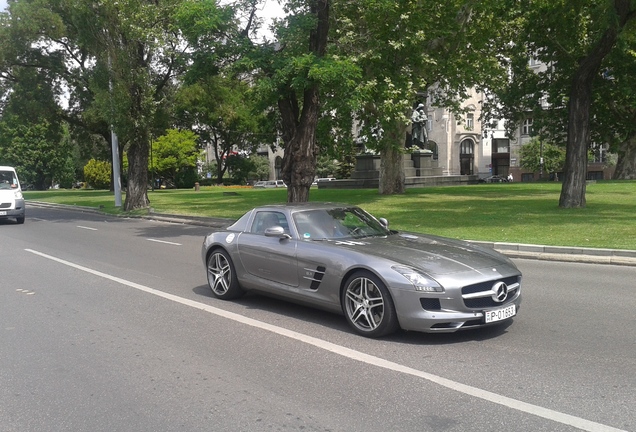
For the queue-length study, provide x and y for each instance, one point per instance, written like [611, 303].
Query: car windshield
[7, 180]
[337, 223]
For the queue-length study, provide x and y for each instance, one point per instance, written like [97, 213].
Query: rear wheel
[368, 306]
[222, 276]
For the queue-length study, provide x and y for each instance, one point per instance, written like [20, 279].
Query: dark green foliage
[326, 167]
[260, 168]
[239, 168]
[186, 178]
[40, 161]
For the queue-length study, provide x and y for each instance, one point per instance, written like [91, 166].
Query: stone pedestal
[425, 165]
[365, 175]
[367, 162]
[422, 160]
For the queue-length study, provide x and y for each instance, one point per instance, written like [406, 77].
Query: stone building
[457, 140]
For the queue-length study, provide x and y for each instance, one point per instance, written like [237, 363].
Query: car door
[269, 258]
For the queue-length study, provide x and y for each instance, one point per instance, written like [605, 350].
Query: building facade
[457, 141]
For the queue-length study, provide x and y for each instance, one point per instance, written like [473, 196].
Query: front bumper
[15, 210]
[444, 313]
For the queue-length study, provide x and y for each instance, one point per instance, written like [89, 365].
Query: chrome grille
[480, 296]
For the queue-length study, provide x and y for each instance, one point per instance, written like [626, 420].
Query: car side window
[268, 219]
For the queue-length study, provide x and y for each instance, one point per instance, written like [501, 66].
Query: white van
[270, 184]
[11, 199]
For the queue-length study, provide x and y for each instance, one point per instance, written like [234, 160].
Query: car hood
[431, 254]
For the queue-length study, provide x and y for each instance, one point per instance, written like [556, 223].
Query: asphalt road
[106, 324]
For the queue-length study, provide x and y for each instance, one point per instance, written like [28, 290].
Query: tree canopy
[142, 67]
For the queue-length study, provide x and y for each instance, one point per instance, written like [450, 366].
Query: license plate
[3, 213]
[500, 314]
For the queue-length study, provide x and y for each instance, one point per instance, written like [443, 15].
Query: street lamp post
[114, 146]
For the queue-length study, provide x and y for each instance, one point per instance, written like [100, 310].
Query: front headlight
[420, 281]
[18, 195]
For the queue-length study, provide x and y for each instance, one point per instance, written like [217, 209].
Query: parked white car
[270, 184]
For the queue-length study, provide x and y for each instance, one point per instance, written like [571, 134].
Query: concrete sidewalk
[513, 250]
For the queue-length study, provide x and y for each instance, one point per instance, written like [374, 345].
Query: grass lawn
[502, 212]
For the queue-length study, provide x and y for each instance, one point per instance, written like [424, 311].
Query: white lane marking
[486, 395]
[27, 292]
[163, 241]
[87, 228]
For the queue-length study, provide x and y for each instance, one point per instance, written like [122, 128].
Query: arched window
[467, 148]
[278, 164]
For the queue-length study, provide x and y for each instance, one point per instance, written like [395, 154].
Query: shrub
[97, 174]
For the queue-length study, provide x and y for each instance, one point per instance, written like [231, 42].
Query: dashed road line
[165, 242]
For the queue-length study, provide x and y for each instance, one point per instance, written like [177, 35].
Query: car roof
[242, 223]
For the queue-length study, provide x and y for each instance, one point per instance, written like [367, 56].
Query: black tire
[20, 220]
[222, 276]
[368, 306]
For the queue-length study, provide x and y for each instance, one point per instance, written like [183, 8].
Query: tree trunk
[626, 164]
[392, 162]
[137, 188]
[299, 129]
[575, 170]
[138, 153]
[299, 159]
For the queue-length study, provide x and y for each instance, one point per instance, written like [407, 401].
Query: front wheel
[368, 306]
[222, 276]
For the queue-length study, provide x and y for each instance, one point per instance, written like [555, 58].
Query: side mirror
[277, 231]
[384, 222]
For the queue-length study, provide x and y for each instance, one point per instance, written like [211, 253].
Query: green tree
[136, 47]
[539, 156]
[405, 53]
[239, 168]
[118, 59]
[175, 156]
[32, 135]
[575, 40]
[41, 161]
[39, 40]
[222, 112]
[290, 75]
[614, 105]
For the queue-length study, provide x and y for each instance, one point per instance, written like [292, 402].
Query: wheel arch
[212, 248]
[351, 271]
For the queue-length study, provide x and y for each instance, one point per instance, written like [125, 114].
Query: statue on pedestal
[419, 134]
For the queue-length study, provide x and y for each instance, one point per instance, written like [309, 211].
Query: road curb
[564, 253]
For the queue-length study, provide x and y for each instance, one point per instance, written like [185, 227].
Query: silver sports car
[342, 259]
